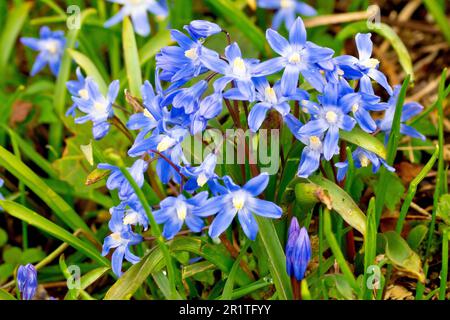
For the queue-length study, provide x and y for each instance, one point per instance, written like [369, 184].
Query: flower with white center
[240, 201]
[175, 211]
[97, 107]
[51, 46]
[286, 11]
[137, 10]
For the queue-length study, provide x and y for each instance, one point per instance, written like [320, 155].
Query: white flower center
[52, 46]
[370, 63]
[116, 236]
[314, 142]
[295, 58]
[239, 67]
[100, 106]
[364, 160]
[340, 72]
[130, 218]
[270, 94]
[202, 179]
[135, 2]
[355, 107]
[286, 4]
[191, 53]
[331, 117]
[165, 144]
[148, 114]
[84, 94]
[181, 211]
[239, 200]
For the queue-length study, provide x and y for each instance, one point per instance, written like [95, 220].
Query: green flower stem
[155, 231]
[337, 251]
[444, 269]
[413, 188]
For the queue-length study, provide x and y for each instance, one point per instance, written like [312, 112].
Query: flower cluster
[191, 84]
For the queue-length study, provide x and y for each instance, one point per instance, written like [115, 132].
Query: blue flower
[298, 251]
[153, 114]
[174, 212]
[77, 88]
[236, 69]
[242, 201]
[181, 64]
[97, 107]
[267, 98]
[313, 150]
[361, 104]
[50, 45]
[201, 29]
[209, 108]
[365, 67]
[137, 9]
[329, 116]
[189, 98]
[297, 57]
[287, 10]
[362, 158]
[121, 239]
[410, 109]
[132, 213]
[199, 176]
[27, 281]
[116, 180]
[160, 141]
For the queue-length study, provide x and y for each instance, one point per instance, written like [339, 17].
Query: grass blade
[131, 55]
[228, 289]
[32, 218]
[277, 260]
[52, 199]
[16, 18]
[439, 16]
[392, 146]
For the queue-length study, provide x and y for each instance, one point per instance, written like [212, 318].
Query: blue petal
[232, 52]
[289, 80]
[330, 145]
[140, 23]
[278, 43]
[222, 221]
[248, 223]
[309, 163]
[381, 79]
[264, 208]
[364, 45]
[257, 185]
[257, 116]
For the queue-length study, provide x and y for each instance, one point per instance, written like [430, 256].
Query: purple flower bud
[27, 281]
[298, 250]
[202, 29]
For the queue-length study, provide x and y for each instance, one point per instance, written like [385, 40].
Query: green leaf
[5, 295]
[388, 33]
[364, 140]
[342, 203]
[131, 55]
[154, 45]
[32, 218]
[163, 283]
[16, 18]
[439, 16]
[131, 280]
[401, 255]
[85, 281]
[268, 237]
[3, 237]
[195, 268]
[12, 255]
[180, 13]
[24, 174]
[229, 11]
[89, 67]
[416, 236]
[228, 289]
[392, 188]
[32, 255]
[443, 208]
